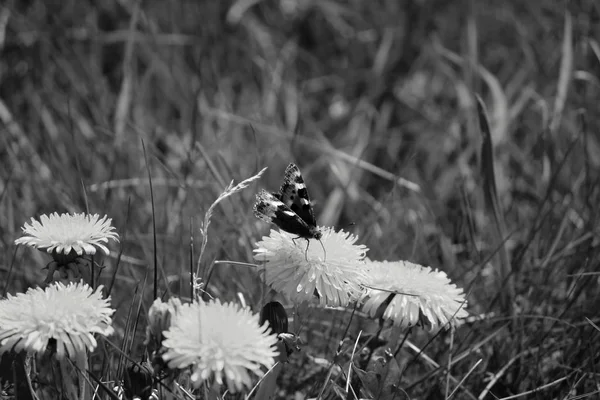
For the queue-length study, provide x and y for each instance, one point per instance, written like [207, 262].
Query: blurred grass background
[374, 101]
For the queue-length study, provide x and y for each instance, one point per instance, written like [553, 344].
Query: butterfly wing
[271, 209]
[293, 194]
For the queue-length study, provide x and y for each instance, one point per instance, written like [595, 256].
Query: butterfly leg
[324, 251]
[307, 244]
[297, 237]
[306, 250]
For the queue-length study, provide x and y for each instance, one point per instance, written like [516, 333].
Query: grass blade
[566, 71]
[493, 205]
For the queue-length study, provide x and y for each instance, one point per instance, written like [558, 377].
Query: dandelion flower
[68, 316]
[299, 269]
[416, 292]
[219, 340]
[69, 234]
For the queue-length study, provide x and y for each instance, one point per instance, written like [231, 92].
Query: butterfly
[290, 209]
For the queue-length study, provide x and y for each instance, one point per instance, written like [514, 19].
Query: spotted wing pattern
[293, 194]
[290, 209]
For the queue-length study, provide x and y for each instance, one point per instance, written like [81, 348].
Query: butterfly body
[290, 209]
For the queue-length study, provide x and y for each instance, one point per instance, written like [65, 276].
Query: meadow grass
[146, 111]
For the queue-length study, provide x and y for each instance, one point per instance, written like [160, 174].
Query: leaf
[381, 380]
[267, 387]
